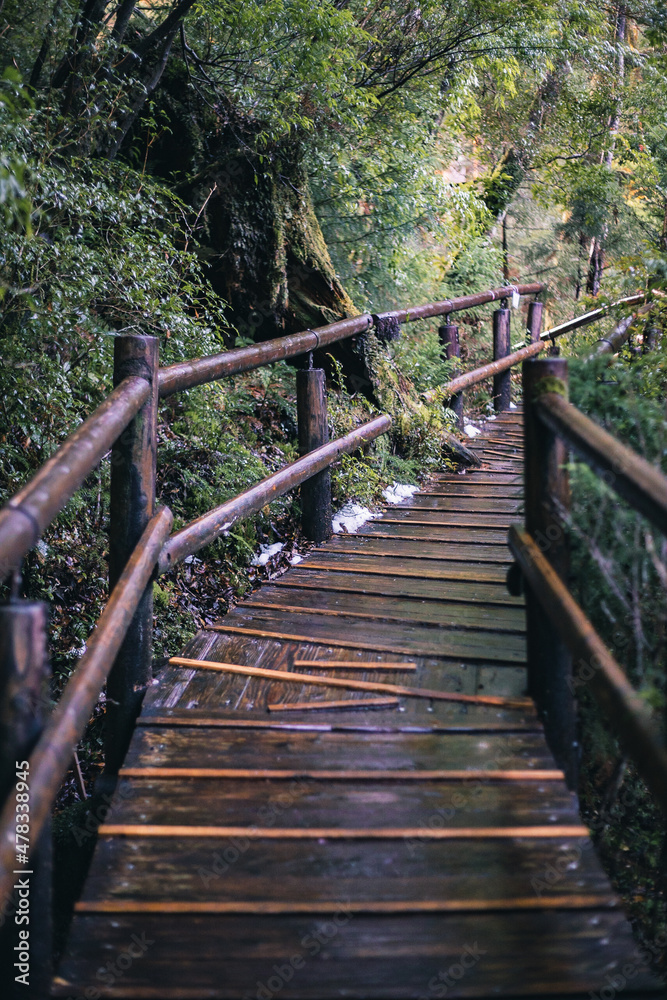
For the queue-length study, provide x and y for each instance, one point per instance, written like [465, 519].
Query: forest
[221, 172]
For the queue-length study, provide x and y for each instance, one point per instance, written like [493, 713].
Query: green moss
[550, 384]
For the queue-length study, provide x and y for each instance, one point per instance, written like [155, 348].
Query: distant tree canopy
[309, 142]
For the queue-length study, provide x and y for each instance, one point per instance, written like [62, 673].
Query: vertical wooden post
[501, 348]
[311, 402]
[547, 491]
[534, 325]
[132, 504]
[650, 337]
[449, 338]
[24, 697]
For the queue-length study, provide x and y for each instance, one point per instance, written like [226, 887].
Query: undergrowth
[619, 575]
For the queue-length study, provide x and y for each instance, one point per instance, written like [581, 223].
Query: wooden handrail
[448, 306]
[30, 511]
[557, 628]
[593, 316]
[187, 374]
[467, 380]
[631, 476]
[51, 757]
[216, 522]
[626, 710]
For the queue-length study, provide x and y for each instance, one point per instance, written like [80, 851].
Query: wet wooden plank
[510, 439]
[467, 505]
[476, 519]
[161, 746]
[422, 549]
[385, 958]
[338, 806]
[369, 634]
[360, 582]
[250, 721]
[464, 776]
[145, 868]
[439, 613]
[429, 904]
[471, 485]
[478, 492]
[433, 533]
[502, 432]
[425, 568]
[478, 476]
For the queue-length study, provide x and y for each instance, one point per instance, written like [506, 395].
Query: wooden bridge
[342, 788]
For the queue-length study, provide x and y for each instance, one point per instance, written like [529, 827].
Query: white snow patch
[350, 517]
[296, 559]
[471, 430]
[513, 406]
[266, 552]
[398, 492]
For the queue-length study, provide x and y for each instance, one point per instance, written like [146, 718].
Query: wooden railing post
[311, 400]
[501, 348]
[534, 324]
[449, 338]
[24, 696]
[132, 504]
[547, 493]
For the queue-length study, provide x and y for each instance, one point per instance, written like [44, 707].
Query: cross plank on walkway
[412, 849]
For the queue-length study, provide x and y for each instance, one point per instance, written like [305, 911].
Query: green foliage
[619, 575]
[15, 204]
[405, 131]
[105, 257]
[419, 356]
[303, 58]
[355, 479]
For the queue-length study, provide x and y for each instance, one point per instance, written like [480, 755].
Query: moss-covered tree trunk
[267, 255]
[265, 251]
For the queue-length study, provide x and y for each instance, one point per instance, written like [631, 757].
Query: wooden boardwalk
[410, 848]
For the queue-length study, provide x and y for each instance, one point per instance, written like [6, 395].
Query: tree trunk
[266, 254]
[505, 179]
[597, 252]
